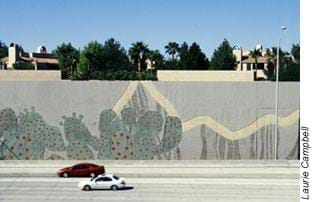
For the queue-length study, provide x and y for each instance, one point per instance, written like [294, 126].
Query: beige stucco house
[247, 63]
[40, 59]
[20, 65]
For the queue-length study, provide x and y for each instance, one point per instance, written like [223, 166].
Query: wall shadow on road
[121, 189]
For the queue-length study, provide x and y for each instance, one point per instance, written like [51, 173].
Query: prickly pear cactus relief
[79, 138]
[128, 138]
[8, 120]
[30, 136]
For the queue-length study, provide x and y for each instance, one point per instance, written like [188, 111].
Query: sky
[156, 22]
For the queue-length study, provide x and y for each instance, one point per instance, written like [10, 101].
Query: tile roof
[261, 59]
[4, 60]
[41, 60]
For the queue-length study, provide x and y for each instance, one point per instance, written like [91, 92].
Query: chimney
[13, 55]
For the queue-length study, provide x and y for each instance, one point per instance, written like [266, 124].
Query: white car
[105, 181]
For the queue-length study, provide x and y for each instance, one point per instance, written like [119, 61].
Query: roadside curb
[153, 163]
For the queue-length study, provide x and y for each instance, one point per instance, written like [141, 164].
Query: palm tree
[156, 58]
[137, 53]
[172, 48]
[255, 54]
[272, 57]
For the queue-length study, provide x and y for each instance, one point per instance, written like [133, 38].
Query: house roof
[46, 60]
[4, 60]
[261, 59]
[40, 60]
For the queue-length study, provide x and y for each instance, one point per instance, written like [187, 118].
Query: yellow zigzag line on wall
[127, 95]
[154, 93]
[243, 132]
[203, 120]
[160, 98]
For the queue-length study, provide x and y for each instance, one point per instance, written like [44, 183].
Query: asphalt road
[40, 189]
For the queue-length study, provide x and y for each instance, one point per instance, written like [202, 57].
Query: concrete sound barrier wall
[143, 120]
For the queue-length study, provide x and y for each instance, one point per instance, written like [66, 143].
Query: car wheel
[92, 175]
[65, 175]
[114, 188]
[86, 188]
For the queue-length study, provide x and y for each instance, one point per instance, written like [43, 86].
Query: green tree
[289, 69]
[185, 59]
[223, 58]
[111, 62]
[3, 50]
[197, 57]
[156, 58]
[172, 48]
[91, 60]
[68, 58]
[295, 52]
[290, 72]
[115, 56]
[138, 53]
[192, 57]
[271, 53]
[270, 63]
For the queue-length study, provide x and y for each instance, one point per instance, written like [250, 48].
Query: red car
[82, 170]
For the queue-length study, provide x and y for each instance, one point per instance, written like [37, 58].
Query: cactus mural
[128, 138]
[8, 120]
[79, 138]
[28, 135]
[143, 124]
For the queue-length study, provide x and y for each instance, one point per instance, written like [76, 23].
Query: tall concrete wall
[204, 75]
[147, 120]
[30, 75]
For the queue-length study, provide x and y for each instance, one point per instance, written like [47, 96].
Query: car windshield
[115, 177]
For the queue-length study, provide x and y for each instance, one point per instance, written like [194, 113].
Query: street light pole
[277, 78]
